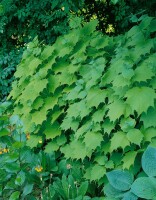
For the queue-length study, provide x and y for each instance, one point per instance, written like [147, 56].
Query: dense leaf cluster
[20, 22]
[90, 97]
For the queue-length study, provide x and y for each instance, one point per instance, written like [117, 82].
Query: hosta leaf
[128, 159]
[135, 136]
[52, 130]
[149, 161]
[120, 180]
[144, 187]
[110, 191]
[92, 140]
[140, 98]
[119, 139]
[129, 196]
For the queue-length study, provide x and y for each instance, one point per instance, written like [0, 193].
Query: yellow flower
[5, 150]
[1, 152]
[40, 141]
[39, 168]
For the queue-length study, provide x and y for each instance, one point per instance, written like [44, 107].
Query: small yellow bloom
[5, 150]
[40, 141]
[39, 168]
[1, 152]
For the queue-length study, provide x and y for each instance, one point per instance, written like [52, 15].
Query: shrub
[90, 97]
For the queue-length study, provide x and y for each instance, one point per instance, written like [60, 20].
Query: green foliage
[90, 90]
[121, 184]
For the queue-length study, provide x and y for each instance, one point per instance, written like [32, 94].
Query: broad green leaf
[27, 189]
[127, 123]
[129, 196]
[51, 146]
[92, 140]
[120, 180]
[135, 136]
[110, 191]
[52, 130]
[15, 196]
[97, 172]
[149, 133]
[149, 161]
[33, 141]
[144, 187]
[95, 97]
[149, 118]
[76, 150]
[39, 116]
[116, 109]
[140, 98]
[83, 188]
[4, 132]
[129, 159]
[119, 139]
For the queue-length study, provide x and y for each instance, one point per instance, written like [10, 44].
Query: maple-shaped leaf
[37, 103]
[75, 150]
[149, 118]
[116, 110]
[53, 83]
[39, 116]
[135, 136]
[140, 98]
[128, 159]
[143, 72]
[99, 115]
[149, 134]
[119, 139]
[84, 128]
[127, 123]
[51, 146]
[108, 126]
[92, 140]
[95, 96]
[52, 130]
[97, 172]
[33, 141]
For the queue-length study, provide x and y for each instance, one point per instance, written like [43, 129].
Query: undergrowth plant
[121, 185]
[91, 98]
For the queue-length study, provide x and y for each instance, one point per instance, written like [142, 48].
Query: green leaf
[143, 72]
[92, 140]
[129, 196]
[120, 180]
[4, 132]
[76, 150]
[144, 187]
[27, 189]
[135, 136]
[110, 191]
[149, 161]
[83, 188]
[20, 178]
[127, 123]
[51, 146]
[128, 159]
[33, 141]
[97, 172]
[116, 109]
[15, 196]
[52, 130]
[149, 118]
[95, 96]
[140, 98]
[119, 139]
